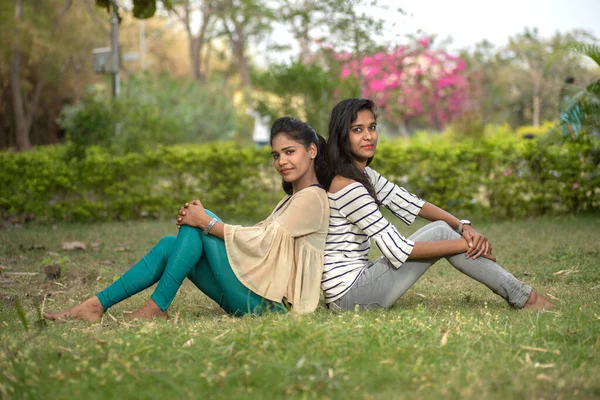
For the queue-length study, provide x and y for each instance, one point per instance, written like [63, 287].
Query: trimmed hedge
[49, 185]
[498, 177]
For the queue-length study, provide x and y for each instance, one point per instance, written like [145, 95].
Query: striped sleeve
[403, 204]
[360, 209]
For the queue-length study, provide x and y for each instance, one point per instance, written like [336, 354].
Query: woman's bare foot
[89, 310]
[538, 302]
[148, 311]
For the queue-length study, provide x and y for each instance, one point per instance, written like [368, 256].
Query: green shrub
[503, 177]
[498, 176]
[49, 185]
[150, 111]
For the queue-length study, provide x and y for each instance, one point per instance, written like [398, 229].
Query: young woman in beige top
[275, 265]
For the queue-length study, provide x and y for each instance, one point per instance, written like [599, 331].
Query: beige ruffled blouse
[282, 256]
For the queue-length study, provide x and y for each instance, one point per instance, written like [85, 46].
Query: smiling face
[362, 137]
[293, 161]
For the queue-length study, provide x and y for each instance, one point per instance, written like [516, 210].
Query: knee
[167, 241]
[165, 244]
[213, 215]
[446, 230]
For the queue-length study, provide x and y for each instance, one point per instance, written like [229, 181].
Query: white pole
[114, 36]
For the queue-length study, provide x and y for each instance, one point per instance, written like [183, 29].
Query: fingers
[469, 236]
[482, 246]
[479, 252]
[478, 245]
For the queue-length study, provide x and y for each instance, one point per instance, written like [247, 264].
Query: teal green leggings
[201, 258]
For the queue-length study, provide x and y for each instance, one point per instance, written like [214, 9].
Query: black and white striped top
[354, 220]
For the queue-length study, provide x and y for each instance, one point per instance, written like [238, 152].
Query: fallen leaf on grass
[75, 245]
[553, 297]
[544, 366]
[444, 340]
[22, 273]
[543, 377]
[386, 361]
[540, 350]
[566, 272]
[189, 343]
[219, 336]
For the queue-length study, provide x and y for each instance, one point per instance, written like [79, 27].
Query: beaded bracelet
[210, 225]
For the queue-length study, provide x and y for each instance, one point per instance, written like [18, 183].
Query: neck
[304, 182]
[361, 164]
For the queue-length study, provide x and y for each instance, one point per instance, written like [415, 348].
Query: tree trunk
[195, 43]
[21, 132]
[536, 104]
[195, 57]
[361, 78]
[304, 38]
[239, 47]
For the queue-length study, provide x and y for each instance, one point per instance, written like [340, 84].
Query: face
[291, 159]
[363, 136]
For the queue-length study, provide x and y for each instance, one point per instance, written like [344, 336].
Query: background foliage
[50, 185]
[151, 110]
[45, 70]
[502, 176]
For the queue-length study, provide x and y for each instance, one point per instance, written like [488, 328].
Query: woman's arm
[433, 213]
[422, 250]
[479, 245]
[194, 214]
[406, 206]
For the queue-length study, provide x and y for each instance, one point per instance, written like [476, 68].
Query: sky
[470, 21]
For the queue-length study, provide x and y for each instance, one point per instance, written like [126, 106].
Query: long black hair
[340, 159]
[304, 134]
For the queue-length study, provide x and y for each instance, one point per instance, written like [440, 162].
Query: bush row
[50, 185]
[498, 177]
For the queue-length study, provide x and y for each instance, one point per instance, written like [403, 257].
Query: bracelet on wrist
[210, 225]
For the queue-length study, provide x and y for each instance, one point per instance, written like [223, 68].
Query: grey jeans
[381, 284]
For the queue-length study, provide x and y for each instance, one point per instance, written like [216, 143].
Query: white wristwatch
[462, 223]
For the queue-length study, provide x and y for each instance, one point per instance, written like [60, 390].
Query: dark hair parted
[338, 150]
[303, 133]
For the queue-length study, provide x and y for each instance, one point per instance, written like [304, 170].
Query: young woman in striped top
[355, 195]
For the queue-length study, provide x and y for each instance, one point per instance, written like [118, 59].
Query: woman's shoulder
[309, 195]
[340, 184]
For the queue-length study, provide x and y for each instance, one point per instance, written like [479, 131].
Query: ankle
[152, 306]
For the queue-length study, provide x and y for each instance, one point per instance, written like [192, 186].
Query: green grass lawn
[448, 337]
